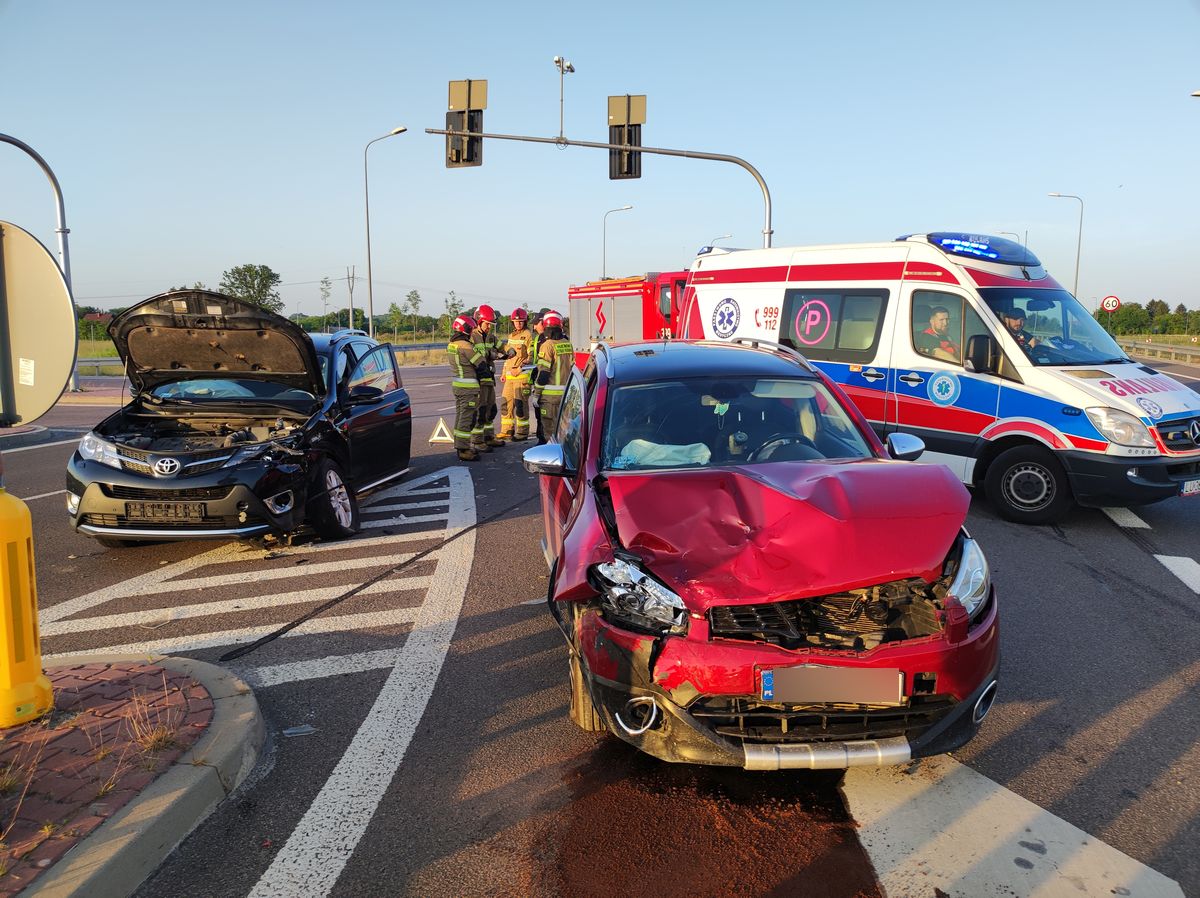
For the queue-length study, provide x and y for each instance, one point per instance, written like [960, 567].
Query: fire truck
[623, 310]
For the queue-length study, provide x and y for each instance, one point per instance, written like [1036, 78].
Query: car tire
[111, 542]
[1027, 485]
[582, 711]
[333, 510]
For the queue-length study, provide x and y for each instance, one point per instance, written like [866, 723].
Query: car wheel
[110, 542]
[333, 510]
[582, 711]
[1028, 485]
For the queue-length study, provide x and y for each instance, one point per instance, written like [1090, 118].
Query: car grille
[137, 467]
[1175, 435]
[119, 521]
[750, 720]
[856, 620]
[166, 495]
[199, 462]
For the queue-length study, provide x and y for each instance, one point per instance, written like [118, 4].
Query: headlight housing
[634, 597]
[1120, 427]
[973, 580]
[93, 448]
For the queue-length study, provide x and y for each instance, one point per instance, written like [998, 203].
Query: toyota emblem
[1194, 431]
[166, 467]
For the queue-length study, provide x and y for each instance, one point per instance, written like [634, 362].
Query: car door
[378, 422]
[936, 398]
[561, 493]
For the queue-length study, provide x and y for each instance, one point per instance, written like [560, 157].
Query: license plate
[1190, 488]
[165, 511]
[821, 685]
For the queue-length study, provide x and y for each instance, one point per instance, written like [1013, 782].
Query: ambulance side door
[934, 396]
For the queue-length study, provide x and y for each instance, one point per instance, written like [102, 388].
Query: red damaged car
[746, 576]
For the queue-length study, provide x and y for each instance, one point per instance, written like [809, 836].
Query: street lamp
[1016, 237]
[604, 257]
[367, 205]
[713, 242]
[564, 68]
[1079, 241]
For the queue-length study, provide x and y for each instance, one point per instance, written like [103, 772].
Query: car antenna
[1025, 256]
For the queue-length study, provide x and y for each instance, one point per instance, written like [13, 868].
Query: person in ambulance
[1014, 320]
[935, 340]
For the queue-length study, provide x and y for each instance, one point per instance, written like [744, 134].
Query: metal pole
[654, 151]
[604, 242]
[367, 206]
[1079, 241]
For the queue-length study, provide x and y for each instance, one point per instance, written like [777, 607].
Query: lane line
[319, 668]
[41, 446]
[315, 854]
[944, 828]
[1123, 517]
[324, 567]
[1186, 569]
[43, 496]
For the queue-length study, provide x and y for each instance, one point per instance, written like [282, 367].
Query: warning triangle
[441, 433]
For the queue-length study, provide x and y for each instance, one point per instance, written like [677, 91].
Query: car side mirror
[364, 395]
[983, 355]
[547, 459]
[905, 446]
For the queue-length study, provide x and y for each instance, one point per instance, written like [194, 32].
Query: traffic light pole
[658, 151]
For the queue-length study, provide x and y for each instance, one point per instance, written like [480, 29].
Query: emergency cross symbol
[944, 389]
[726, 317]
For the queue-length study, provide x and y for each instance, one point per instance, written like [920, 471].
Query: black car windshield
[224, 389]
[713, 421]
[1051, 327]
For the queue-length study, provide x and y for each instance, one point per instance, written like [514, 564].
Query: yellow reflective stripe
[553, 391]
[463, 382]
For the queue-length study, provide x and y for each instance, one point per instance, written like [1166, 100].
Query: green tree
[255, 284]
[326, 289]
[199, 285]
[454, 307]
[394, 315]
[412, 306]
[1156, 309]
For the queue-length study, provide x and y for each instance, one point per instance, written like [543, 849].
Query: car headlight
[1120, 427]
[93, 448]
[635, 597]
[972, 581]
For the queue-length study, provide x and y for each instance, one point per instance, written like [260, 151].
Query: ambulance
[965, 341]
[623, 310]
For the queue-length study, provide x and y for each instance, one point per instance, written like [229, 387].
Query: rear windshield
[222, 388]
[709, 422]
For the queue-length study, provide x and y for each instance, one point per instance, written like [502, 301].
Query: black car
[241, 424]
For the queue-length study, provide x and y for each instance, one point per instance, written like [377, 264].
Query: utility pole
[350, 287]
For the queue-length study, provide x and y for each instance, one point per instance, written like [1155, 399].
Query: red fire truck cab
[623, 310]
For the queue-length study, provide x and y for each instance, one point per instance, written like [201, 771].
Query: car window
[570, 424]
[376, 369]
[937, 325]
[714, 421]
[839, 325]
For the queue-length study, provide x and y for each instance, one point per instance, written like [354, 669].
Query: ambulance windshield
[1051, 327]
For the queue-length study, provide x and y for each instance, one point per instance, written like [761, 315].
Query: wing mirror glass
[365, 395]
[905, 446]
[547, 459]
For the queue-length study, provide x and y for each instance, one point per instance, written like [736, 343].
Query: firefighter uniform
[514, 401]
[535, 420]
[483, 434]
[556, 357]
[464, 381]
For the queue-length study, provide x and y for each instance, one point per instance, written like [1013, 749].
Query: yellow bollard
[25, 692]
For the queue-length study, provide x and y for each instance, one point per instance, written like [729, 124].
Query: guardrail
[1187, 354]
[93, 366]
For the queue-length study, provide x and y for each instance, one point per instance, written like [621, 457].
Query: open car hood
[190, 334]
[789, 530]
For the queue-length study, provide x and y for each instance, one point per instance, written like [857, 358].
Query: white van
[965, 341]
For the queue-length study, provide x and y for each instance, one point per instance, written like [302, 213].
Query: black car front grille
[753, 721]
[137, 467]
[120, 522]
[1176, 435]
[114, 491]
[855, 620]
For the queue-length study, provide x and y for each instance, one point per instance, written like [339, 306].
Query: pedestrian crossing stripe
[441, 433]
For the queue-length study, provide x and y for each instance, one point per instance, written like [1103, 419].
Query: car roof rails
[349, 332]
[756, 343]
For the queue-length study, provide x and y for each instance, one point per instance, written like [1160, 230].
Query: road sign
[38, 332]
[1110, 304]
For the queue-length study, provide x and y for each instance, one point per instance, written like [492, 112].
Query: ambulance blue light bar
[984, 247]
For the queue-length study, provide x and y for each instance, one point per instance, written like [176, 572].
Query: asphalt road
[445, 765]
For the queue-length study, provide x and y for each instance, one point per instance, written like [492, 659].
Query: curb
[114, 860]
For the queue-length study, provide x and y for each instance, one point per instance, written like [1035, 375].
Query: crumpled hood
[1131, 387]
[762, 533]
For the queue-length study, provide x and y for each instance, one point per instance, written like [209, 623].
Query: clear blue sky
[190, 138]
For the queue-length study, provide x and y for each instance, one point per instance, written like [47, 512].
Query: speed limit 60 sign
[1110, 304]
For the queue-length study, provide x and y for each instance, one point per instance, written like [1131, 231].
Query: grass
[153, 729]
[1172, 339]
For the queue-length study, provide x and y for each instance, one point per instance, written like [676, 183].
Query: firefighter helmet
[463, 324]
[520, 315]
[486, 313]
[552, 319]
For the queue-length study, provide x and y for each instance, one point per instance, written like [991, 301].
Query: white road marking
[33, 428]
[1123, 517]
[41, 446]
[314, 856]
[274, 674]
[446, 408]
[944, 827]
[43, 496]
[434, 491]
[1186, 569]
[373, 523]
[398, 505]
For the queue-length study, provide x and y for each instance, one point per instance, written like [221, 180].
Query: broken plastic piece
[305, 729]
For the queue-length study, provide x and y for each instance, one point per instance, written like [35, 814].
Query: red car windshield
[709, 421]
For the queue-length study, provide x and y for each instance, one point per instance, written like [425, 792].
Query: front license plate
[1190, 488]
[820, 685]
[165, 511]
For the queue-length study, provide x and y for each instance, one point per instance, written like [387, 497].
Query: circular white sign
[1110, 303]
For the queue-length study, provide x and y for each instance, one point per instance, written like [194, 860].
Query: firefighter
[464, 381]
[514, 402]
[538, 327]
[483, 434]
[555, 360]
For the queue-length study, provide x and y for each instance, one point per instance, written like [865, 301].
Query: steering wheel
[1043, 350]
[781, 439]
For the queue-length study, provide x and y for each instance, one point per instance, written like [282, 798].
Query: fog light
[72, 503]
[281, 503]
[1132, 473]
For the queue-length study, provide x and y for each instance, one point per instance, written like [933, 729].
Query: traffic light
[626, 115]
[468, 99]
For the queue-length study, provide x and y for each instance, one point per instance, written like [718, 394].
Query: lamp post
[713, 242]
[604, 257]
[367, 205]
[1012, 234]
[1079, 241]
[564, 68]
